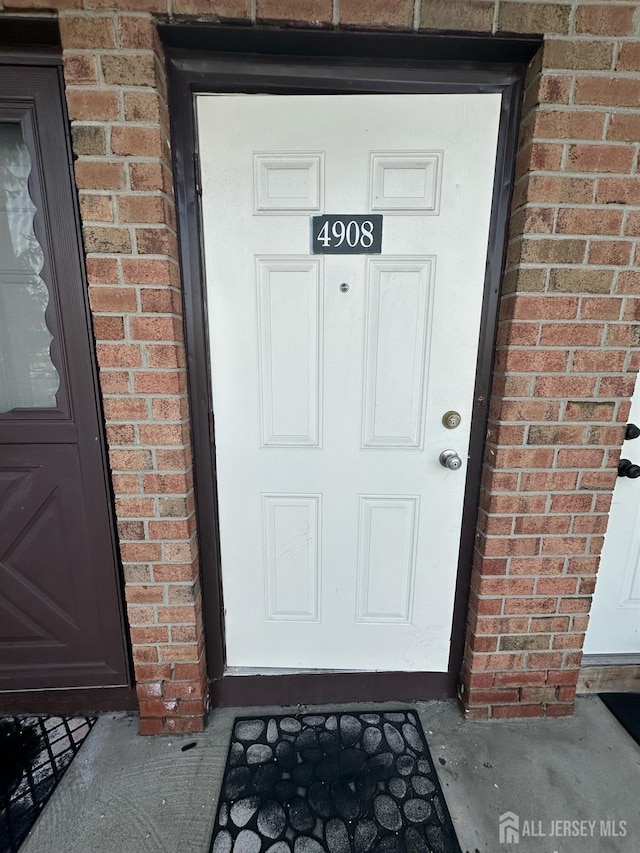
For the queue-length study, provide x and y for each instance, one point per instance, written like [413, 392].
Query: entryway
[340, 378]
[352, 219]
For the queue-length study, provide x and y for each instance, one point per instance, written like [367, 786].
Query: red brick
[95, 208]
[580, 53]
[182, 653]
[519, 679]
[588, 221]
[102, 271]
[624, 128]
[384, 13]
[487, 662]
[99, 175]
[536, 566]
[565, 386]
[148, 271]
[80, 69]
[540, 480]
[568, 641]
[552, 188]
[600, 158]
[148, 636]
[159, 382]
[120, 355]
[141, 208]
[530, 605]
[564, 545]
[629, 56]
[121, 299]
[144, 141]
[108, 328]
[125, 408]
[224, 9]
[144, 594]
[610, 252]
[541, 524]
[114, 381]
[545, 624]
[575, 605]
[480, 697]
[556, 586]
[160, 300]
[130, 460]
[608, 91]
[568, 124]
[605, 20]
[92, 105]
[184, 615]
[155, 328]
[543, 307]
[304, 11]
[618, 191]
[88, 32]
[533, 17]
[136, 33]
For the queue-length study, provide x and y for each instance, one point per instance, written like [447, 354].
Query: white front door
[339, 527]
[614, 624]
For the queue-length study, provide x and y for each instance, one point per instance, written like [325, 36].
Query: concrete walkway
[129, 794]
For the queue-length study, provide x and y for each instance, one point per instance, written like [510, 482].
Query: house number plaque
[346, 234]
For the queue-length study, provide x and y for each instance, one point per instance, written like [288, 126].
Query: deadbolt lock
[451, 419]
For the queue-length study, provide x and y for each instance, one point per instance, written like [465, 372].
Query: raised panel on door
[339, 528]
[61, 625]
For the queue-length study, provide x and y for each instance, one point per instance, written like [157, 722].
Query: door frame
[35, 44]
[211, 59]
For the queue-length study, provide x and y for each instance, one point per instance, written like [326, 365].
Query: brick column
[565, 364]
[116, 95]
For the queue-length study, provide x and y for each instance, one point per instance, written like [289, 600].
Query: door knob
[632, 432]
[626, 468]
[450, 459]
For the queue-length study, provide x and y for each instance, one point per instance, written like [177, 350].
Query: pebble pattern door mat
[337, 782]
[34, 754]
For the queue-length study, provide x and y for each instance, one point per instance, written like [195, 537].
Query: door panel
[61, 622]
[330, 381]
[614, 623]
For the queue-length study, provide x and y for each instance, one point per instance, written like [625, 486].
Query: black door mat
[626, 709]
[34, 754]
[337, 782]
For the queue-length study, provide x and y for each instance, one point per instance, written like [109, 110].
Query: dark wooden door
[61, 617]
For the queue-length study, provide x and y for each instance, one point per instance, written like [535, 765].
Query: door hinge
[197, 172]
[210, 422]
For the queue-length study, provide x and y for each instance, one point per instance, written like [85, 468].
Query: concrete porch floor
[134, 794]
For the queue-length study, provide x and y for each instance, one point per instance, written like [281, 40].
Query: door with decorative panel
[61, 618]
[332, 373]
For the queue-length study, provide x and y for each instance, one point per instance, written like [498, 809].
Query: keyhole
[344, 287]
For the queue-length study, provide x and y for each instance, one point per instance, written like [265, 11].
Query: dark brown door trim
[306, 62]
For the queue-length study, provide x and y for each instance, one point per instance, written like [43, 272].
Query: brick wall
[567, 346]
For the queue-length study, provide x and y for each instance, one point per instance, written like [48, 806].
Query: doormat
[343, 783]
[34, 754]
[626, 709]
